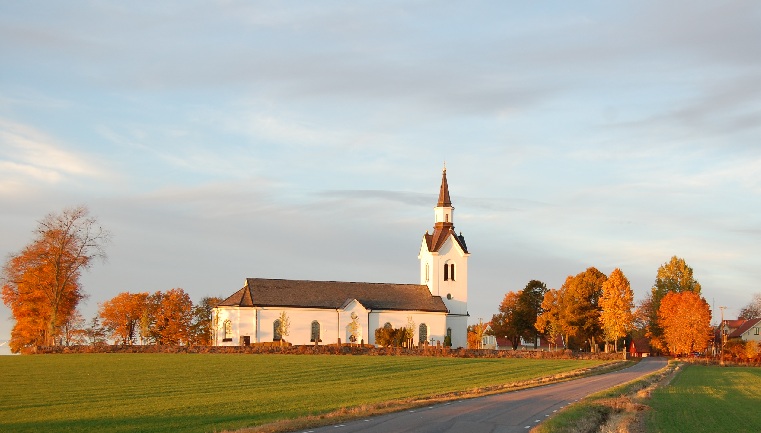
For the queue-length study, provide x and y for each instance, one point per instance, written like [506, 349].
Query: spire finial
[445, 167]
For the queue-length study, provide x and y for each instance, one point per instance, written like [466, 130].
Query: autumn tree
[616, 304]
[685, 319]
[579, 309]
[95, 333]
[529, 308]
[72, 331]
[476, 335]
[201, 325]
[283, 326]
[753, 309]
[121, 316]
[173, 317]
[548, 322]
[503, 324]
[167, 317]
[41, 283]
[674, 276]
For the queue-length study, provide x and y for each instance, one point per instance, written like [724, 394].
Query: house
[332, 311]
[639, 348]
[749, 330]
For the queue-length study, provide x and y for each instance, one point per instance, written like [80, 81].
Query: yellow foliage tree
[548, 323]
[616, 304]
[686, 322]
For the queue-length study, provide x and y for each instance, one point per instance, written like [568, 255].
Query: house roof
[261, 292]
[744, 328]
[734, 324]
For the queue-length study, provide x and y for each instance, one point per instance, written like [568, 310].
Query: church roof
[443, 229]
[444, 200]
[440, 234]
[261, 292]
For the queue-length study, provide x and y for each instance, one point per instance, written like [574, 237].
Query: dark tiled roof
[744, 327]
[261, 292]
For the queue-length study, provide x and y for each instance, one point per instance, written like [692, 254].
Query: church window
[315, 331]
[227, 327]
[449, 332]
[423, 331]
[276, 330]
[427, 272]
[448, 271]
[388, 325]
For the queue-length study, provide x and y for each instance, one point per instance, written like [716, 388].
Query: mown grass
[203, 393]
[708, 399]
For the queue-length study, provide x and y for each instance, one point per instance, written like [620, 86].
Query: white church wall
[454, 292]
[300, 329]
[436, 323]
[242, 322]
[459, 326]
[345, 320]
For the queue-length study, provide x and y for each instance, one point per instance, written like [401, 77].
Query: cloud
[29, 155]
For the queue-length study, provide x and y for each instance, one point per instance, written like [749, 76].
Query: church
[326, 312]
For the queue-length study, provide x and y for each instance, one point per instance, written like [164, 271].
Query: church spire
[444, 200]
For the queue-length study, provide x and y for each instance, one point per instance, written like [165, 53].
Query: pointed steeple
[444, 200]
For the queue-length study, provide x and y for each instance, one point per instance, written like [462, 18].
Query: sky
[221, 140]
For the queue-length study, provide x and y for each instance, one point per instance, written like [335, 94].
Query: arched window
[449, 332]
[388, 325]
[423, 331]
[227, 327]
[315, 331]
[427, 272]
[451, 272]
[276, 330]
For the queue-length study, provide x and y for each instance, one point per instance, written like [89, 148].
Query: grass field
[204, 393]
[708, 399]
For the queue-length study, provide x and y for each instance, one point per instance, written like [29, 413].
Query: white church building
[328, 311]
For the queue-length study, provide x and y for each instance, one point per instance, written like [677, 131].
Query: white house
[326, 311]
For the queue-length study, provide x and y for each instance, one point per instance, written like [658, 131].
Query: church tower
[444, 266]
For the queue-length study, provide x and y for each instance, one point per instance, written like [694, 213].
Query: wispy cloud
[29, 155]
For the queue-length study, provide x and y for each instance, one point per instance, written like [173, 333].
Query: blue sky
[225, 140]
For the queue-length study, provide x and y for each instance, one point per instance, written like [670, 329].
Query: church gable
[434, 242]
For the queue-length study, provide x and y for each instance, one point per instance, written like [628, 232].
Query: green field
[203, 393]
[708, 399]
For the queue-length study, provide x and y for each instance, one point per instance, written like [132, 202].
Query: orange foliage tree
[41, 283]
[616, 305]
[169, 317]
[202, 328]
[685, 319]
[476, 334]
[579, 310]
[121, 316]
[674, 276]
[503, 324]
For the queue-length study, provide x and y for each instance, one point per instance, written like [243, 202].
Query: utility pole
[723, 336]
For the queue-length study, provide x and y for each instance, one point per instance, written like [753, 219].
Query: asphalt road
[516, 411]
